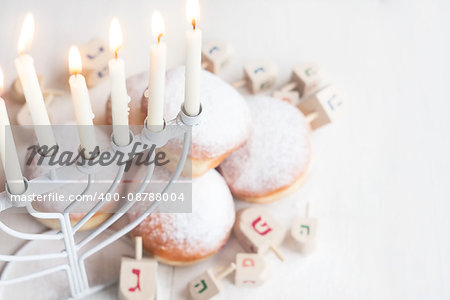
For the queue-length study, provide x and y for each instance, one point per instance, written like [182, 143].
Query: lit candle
[119, 96]
[82, 105]
[8, 153]
[31, 89]
[193, 60]
[157, 80]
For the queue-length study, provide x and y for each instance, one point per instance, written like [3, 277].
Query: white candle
[8, 153]
[193, 60]
[82, 105]
[32, 91]
[119, 95]
[157, 80]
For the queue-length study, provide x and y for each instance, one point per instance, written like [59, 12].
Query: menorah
[58, 176]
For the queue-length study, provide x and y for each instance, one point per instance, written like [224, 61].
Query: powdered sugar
[202, 230]
[226, 119]
[276, 153]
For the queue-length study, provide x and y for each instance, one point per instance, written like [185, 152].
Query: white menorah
[56, 177]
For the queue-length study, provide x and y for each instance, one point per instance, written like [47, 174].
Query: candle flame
[115, 36]
[192, 11]
[75, 66]
[26, 34]
[1, 81]
[158, 26]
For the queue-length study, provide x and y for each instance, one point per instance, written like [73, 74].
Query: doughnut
[224, 128]
[67, 137]
[182, 239]
[274, 160]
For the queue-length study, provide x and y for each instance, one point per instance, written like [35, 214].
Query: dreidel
[251, 270]
[323, 107]
[306, 79]
[259, 76]
[216, 56]
[95, 56]
[291, 97]
[207, 285]
[138, 276]
[258, 232]
[304, 232]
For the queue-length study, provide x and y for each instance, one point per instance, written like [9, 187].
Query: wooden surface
[379, 185]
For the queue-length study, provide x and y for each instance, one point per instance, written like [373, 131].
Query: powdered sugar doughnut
[68, 140]
[275, 158]
[186, 238]
[225, 125]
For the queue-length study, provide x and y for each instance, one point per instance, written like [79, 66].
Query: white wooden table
[380, 179]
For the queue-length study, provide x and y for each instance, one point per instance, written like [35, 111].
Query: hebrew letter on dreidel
[261, 75]
[248, 262]
[137, 279]
[308, 79]
[216, 55]
[261, 230]
[310, 71]
[257, 231]
[257, 70]
[138, 276]
[303, 232]
[251, 269]
[327, 103]
[304, 227]
[137, 272]
[95, 57]
[334, 102]
[291, 97]
[204, 286]
[213, 49]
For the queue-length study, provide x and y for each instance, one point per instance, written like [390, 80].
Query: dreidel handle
[138, 247]
[48, 98]
[307, 210]
[289, 87]
[239, 83]
[311, 117]
[226, 272]
[277, 252]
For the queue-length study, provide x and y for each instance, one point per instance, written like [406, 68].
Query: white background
[381, 175]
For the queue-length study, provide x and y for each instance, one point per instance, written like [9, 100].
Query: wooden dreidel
[208, 285]
[304, 232]
[326, 106]
[258, 231]
[292, 97]
[306, 79]
[138, 276]
[95, 56]
[251, 270]
[216, 55]
[259, 76]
